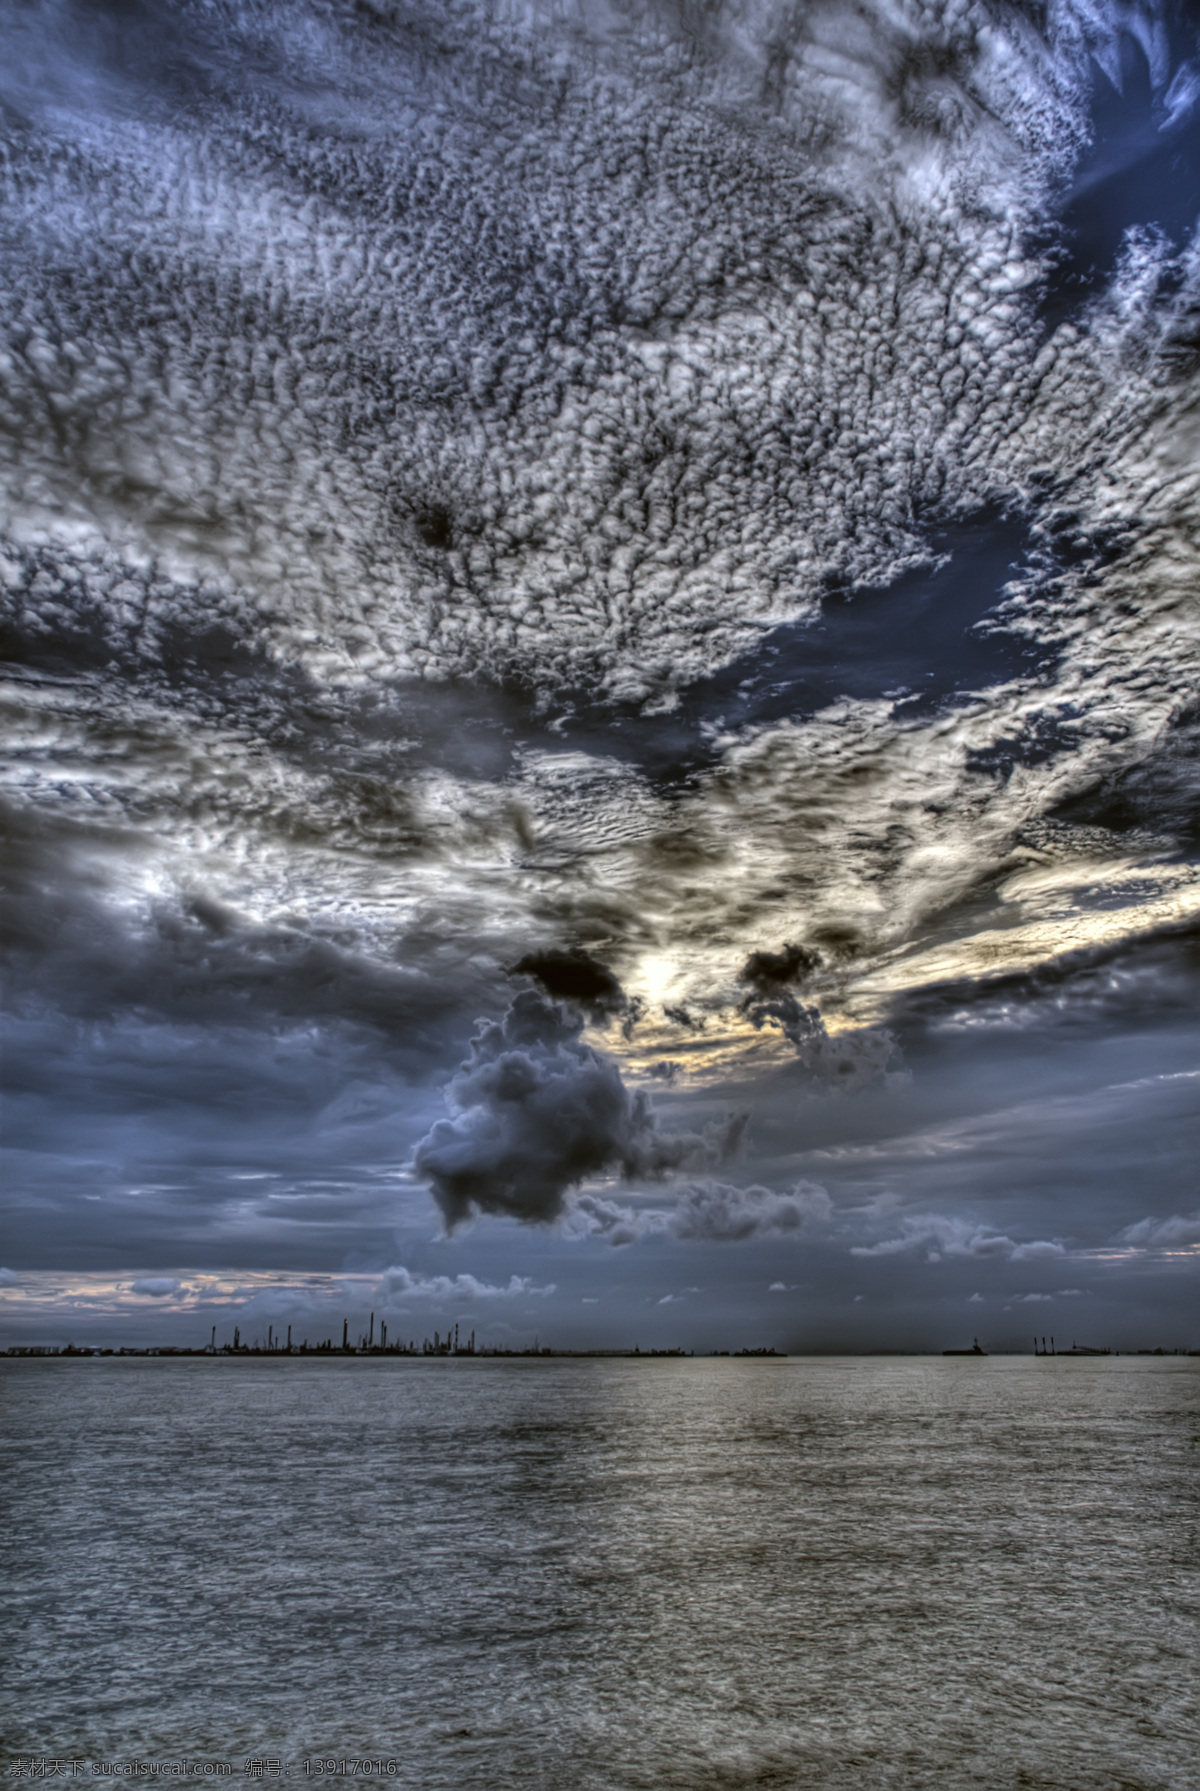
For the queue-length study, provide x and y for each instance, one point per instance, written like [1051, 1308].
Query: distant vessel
[973, 1351]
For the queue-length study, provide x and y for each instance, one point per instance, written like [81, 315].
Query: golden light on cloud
[1050, 914]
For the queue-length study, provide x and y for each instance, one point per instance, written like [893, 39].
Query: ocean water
[571, 1574]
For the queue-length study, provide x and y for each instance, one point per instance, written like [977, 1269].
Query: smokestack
[383, 1334]
[289, 1342]
[212, 1342]
[371, 1334]
[345, 1333]
[456, 1339]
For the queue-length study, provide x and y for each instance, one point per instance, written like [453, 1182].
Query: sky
[599, 609]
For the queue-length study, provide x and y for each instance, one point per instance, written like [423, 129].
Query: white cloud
[156, 1287]
[553, 485]
[399, 1283]
[1178, 1231]
[718, 1212]
[707, 1212]
[951, 1236]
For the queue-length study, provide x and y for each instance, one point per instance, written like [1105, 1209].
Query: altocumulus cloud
[582, 265]
[156, 1287]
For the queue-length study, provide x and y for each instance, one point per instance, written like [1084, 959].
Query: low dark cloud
[767, 971]
[709, 1212]
[802, 1025]
[574, 975]
[536, 1112]
[846, 1061]
[948, 1234]
[1180, 1231]
[680, 1016]
[77, 944]
[720, 1213]
[1147, 979]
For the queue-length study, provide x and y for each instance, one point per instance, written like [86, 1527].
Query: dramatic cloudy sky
[601, 605]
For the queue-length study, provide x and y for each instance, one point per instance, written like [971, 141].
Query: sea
[552, 1574]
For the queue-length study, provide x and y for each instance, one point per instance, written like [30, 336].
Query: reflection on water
[611, 1574]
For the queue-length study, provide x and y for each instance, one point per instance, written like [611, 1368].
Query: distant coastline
[302, 1352]
[394, 1352]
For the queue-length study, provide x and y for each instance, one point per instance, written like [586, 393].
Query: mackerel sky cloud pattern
[599, 613]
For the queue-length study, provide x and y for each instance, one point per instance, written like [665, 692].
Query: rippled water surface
[607, 1573]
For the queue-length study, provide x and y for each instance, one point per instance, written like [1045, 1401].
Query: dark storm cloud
[802, 1025]
[536, 1111]
[76, 943]
[769, 974]
[768, 971]
[164, 1046]
[847, 1060]
[573, 975]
